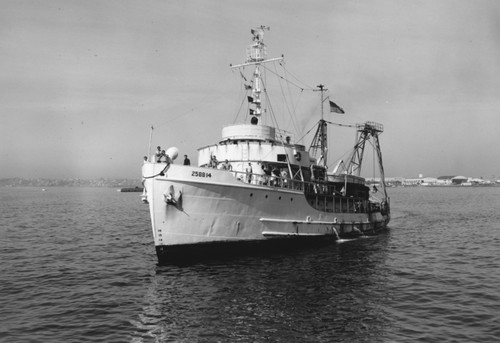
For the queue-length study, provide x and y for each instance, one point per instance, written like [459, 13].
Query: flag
[250, 99]
[248, 87]
[252, 112]
[336, 108]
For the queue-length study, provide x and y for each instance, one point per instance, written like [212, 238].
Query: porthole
[291, 199]
[266, 196]
[251, 194]
[279, 198]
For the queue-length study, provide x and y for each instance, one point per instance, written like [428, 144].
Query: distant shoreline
[136, 183]
[45, 182]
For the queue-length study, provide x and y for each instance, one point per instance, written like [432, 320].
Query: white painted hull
[213, 206]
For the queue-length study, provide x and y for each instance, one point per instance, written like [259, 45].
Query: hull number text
[201, 174]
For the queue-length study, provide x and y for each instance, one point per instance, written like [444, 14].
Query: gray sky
[81, 82]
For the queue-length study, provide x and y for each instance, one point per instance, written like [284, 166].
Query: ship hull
[187, 253]
[201, 212]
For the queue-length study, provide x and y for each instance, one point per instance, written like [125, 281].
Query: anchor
[172, 198]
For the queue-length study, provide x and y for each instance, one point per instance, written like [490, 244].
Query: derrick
[365, 132]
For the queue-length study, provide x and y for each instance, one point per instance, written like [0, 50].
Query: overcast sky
[81, 82]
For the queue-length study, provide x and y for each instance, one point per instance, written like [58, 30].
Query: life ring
[298, 156]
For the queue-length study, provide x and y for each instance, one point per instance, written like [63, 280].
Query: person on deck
[164, 158]
[213, 162]
[187, 162]
[158, 154]
[284, 178]
[249, 171]
[266, 174]
[275, 173]
[226, 165]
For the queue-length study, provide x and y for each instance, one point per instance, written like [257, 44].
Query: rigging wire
[373, 159]
[245, 90]
[294, 106]
[308, 132]
[348, 153]
[287, 105]
[241, 105]
[338, 124]
[290, 82]
[272, 113]
[343, 157]
[296, 78]
[270, 107]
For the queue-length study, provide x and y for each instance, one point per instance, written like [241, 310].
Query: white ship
[257, 189]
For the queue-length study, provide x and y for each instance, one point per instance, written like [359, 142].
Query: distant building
[458, 180]
[445, 180]
[481, 181]
[429, 181]
[413, 182]
[389, 181]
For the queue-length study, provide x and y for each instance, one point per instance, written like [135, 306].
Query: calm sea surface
[78, 265]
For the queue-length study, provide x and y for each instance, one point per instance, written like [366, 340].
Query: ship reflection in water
[329, 294]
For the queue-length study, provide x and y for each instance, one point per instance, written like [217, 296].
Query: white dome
[172, 152]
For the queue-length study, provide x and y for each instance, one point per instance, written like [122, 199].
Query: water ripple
[78, 265]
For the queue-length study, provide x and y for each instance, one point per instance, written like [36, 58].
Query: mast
[320, 140]
[256, 55]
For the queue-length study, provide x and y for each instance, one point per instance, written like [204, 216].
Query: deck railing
[321, 196]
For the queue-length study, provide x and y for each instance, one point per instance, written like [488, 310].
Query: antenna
[321, 89]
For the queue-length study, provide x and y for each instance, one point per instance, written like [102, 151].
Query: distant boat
[258, 188]
[131, 189]
[43, 189]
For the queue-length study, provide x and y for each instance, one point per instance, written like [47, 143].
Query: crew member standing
[249, 171]
[158, 154]
[187, 162]
[226, 165]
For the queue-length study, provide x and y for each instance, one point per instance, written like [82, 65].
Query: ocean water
[78, 265]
